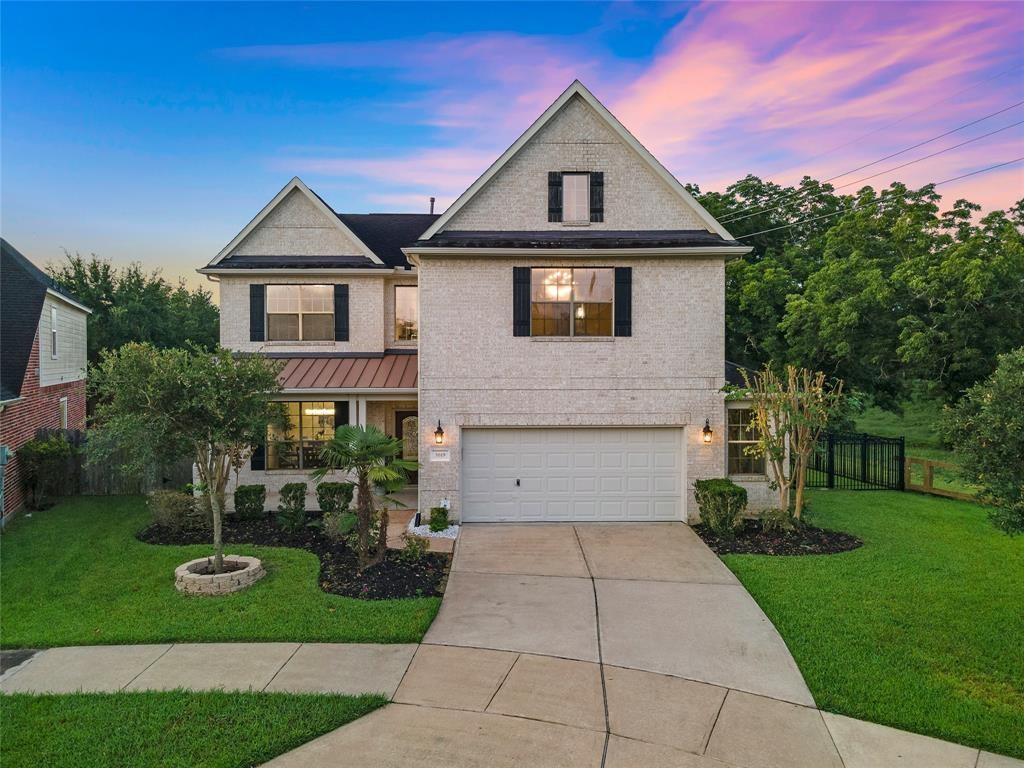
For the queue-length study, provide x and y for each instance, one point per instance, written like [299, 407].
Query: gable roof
[578, 89]
[23, 286]
[296, 184]
[387, 233]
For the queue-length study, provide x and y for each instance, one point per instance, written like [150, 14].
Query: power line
[857, 206]
[909, 115]
[894, 168]
[733, 216]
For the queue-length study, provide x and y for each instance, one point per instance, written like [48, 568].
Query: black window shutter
[340, 413]
[623, 301]
[257, 312]
[597, 196]
[520, 301]
[341, 313]
[554, 196]
[258, 460]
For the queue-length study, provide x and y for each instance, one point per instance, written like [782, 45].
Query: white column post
[361, 411]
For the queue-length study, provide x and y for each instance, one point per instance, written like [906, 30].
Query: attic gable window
[576, 197]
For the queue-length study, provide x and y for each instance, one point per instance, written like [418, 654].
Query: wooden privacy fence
[857, 461]
[927, 485]
[107, 478]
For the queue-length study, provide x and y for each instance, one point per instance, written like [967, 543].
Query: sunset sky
[154, 132]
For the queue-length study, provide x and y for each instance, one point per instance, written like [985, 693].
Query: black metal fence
[857, 461]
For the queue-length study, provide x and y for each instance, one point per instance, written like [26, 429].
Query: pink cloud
[733, 88]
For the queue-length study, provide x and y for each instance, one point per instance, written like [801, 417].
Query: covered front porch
[324, 391]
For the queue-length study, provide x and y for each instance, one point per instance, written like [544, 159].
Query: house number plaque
[440, 454]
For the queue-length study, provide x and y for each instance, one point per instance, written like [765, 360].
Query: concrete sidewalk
[287, 667]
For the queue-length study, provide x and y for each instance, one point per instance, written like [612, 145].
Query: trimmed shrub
[415, 549]
[776, 520]
[44, 460]
[175, 510]
[291, 512]
[721, 504]
[334, 498]
[250, 501]
[438, 519]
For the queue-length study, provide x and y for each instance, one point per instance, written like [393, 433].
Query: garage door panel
[567, 474]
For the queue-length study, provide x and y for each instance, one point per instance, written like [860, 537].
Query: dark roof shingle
[387, 233]
[572, 238]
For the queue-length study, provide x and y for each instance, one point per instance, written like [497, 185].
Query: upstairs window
[53, 333]
[571, 302]
[741, 435]
[300, 313]
[406, 313]
[575, 197]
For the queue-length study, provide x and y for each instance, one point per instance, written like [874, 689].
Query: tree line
[129, 304]
[885, 290]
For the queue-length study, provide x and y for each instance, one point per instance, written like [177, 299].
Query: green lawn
[76, 575]
[175, 728]
[918, 629]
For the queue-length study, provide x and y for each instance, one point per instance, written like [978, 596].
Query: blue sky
[154, 132]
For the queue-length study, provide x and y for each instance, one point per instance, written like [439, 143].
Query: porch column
[360, 404]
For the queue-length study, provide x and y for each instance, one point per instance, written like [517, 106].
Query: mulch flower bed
[750, 539]
[393, 578]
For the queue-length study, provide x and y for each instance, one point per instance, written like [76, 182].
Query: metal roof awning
[389, 371]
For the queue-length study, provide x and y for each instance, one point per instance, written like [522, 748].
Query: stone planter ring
[196, 577]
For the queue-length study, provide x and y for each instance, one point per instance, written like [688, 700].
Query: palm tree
[374, 458]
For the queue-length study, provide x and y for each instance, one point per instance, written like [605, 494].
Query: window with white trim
[53, 333]
[406, 313]
[741, 435]
[575, 198]
[300, 312]
[63, 413]
[297, 443]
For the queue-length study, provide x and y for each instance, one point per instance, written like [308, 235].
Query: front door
[407, 430]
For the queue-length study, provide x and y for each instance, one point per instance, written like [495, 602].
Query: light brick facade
[472, 370]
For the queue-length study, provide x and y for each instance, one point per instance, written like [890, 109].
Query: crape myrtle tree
[788, 413]
[159, 405]
[986, 429]
[375, 460]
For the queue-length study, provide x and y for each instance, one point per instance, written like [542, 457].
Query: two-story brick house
[42, 362]
[550, 348]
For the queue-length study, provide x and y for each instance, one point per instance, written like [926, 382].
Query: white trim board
[578, 89]
[295, 183]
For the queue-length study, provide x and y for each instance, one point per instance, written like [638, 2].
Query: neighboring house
[42, 361]
[550, 348]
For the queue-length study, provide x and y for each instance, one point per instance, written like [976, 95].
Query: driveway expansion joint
[600, 656]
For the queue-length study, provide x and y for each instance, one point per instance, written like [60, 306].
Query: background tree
[986, 429]
[787, 414]
[130, 305]
[157, 405]
[374, 458]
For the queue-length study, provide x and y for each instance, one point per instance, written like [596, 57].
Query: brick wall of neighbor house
[473, 371]
[295, 227]
[39, 407]
[576, 139]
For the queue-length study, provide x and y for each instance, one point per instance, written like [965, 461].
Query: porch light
[439, 434]
[707, 432]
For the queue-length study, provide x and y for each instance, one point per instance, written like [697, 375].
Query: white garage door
[607, 473]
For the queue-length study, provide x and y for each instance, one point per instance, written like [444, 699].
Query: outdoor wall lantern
[439, 434]
[707, 431]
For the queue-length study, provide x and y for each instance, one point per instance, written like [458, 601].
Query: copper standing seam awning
[388, 371]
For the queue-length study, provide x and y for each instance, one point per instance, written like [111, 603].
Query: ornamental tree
[986, 429]
[163, 404]
[788, 414]
[374, 459]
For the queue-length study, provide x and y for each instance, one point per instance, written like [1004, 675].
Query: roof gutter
[242, 271]
[728, 251]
